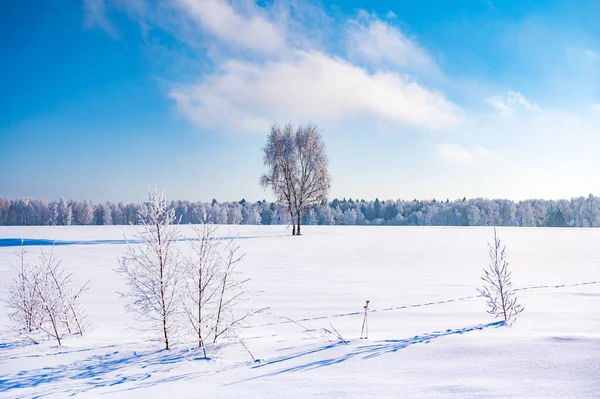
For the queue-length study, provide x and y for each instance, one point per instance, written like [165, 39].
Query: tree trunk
[293, 224]
[162, 287]
[299, 216]
[54, 326]
[165, 332]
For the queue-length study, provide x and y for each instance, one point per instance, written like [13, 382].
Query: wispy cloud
[249, 28]
[267, 67]
[379, 43]
[95, 16]
[309, 85]
[511, 102]
[456, 154]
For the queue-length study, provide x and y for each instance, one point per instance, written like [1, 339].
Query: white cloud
[455, 154]
[377, 42]
[267, 64]
[511, 102]
[250, 30]
[95, 15]
[499, 105]
[309, 85]
[482, 152]
[596, 107]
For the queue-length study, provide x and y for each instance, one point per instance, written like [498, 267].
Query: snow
[429, 334]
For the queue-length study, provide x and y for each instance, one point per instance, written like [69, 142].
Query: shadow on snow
[105, 370]
[113, 369]
[368, 351]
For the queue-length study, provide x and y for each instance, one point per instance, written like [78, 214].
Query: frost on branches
[182, 298]
[497, 288]
[213, 289]
[153, 268]
[22, 299]
[42, 299]
[297, 169]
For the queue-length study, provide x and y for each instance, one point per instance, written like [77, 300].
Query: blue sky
[427, 99]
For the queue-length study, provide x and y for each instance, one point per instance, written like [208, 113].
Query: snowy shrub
[22, 300]
[497, 288]
[42, 299]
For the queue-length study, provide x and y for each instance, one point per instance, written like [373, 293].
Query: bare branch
[497, 289]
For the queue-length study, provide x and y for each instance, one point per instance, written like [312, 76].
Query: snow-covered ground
[429, 334]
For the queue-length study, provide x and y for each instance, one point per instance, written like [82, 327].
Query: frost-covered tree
[310, 217]
[200, 295]
[103, 214]
[251, 215]
[525, 215]
[64, 213]
[297, 169]
[83, 213]
[52, 217]
[280, 158]
[312, 179]
[497, 288]
[234, 214]
[41, 298]
[230, 292]
[22, 299]
[153, 268]
[325, 215]
[223, 217]
[473, 215]
[349, 217]
[56, 296]
[277, 217]
[212, 289]
[266, 214]
[116, 213]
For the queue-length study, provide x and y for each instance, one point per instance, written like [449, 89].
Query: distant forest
[577, 212]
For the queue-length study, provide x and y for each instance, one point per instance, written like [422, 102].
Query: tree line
[576, 212]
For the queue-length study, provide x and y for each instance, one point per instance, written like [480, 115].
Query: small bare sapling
[22, 301]
[152, 269]
[42, 299]
[214, 290]
[497, 288]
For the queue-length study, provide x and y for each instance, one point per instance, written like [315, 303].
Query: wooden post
[365, 326]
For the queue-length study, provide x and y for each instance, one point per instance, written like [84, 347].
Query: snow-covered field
[429, 334]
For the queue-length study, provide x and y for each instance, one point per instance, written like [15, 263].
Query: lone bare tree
[153, 269]
[313, 181]
[279, 157]
[298, 169]
[497, 288]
